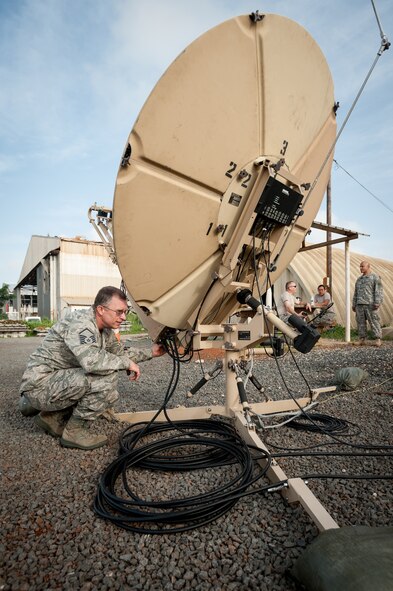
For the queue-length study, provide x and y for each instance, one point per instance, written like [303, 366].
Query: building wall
[84, 274]
[67, 272]
[84, 269]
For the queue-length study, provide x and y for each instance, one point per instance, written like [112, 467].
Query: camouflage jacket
[75, 341]
[368, 290]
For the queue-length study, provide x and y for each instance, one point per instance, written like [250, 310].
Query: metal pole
[269, 297]
[347, 294]
[329, 236]
[53, 287]
[232, 402]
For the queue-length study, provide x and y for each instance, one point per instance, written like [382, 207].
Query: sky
[74, 75]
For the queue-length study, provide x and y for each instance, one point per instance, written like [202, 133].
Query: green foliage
[4, 294]
[338, 333]
[34, 325]
[46, 323]
[136, 326]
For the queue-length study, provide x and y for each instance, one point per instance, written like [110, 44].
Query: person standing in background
[367, 298]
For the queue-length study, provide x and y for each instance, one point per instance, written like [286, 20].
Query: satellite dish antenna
[247, 105]
[220, 180]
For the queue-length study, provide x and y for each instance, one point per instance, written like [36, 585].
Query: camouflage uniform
[77, 365]
[368, 292]
[330, 316]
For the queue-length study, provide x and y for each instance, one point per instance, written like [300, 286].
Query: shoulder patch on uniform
[87, 336]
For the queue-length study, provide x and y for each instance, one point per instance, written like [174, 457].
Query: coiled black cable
[326, 424]
[212, 443]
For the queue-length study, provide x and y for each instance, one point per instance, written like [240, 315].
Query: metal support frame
[100, 218]
[296, 489]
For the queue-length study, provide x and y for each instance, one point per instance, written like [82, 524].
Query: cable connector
[278, 487]
[206, 377]
[247, 416]
[385, 44]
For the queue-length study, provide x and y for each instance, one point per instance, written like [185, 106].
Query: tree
[4, 298]
[4, 294]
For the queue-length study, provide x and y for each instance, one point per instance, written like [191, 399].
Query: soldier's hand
[157, 350]
[133, 371]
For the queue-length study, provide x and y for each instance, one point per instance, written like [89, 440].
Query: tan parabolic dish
[241, 94]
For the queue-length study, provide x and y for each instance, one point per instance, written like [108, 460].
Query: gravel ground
[53, 540]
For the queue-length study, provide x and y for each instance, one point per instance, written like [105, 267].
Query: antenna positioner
[256, 17]
[244, 296]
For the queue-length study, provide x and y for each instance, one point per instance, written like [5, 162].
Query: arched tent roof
[308, 268]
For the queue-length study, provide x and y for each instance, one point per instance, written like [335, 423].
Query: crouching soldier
[71, 379]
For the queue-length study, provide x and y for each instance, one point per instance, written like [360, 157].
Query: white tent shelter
[308, 269]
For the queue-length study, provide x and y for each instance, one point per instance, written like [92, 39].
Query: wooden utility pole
[329, 237]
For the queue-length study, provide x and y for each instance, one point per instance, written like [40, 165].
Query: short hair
[105, 295]
[324, 286]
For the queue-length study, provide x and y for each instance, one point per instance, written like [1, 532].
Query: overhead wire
[365, 188]
[384, 45]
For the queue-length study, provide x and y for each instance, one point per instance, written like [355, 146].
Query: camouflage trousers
[89, 394]
[365, 313]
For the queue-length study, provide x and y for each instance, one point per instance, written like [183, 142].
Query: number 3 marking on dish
[284, 148]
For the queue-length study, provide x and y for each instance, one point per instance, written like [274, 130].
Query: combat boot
[26, 408]
[76, 434]
[53, 422]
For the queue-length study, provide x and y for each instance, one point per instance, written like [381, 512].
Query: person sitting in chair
[322, 300]
[286, 303]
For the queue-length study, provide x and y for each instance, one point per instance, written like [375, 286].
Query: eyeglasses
[293, 286]
[117, 312]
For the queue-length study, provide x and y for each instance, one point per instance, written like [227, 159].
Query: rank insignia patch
[86, 337]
